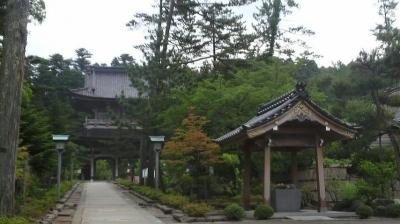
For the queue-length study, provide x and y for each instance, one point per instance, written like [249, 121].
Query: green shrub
[393, 210]
[38, 207]
[364, 211]
[348, 191]
[175, 201]
[148, 192]
[263, 212]
[197, 209]
[234, 212]
[125, 183]
[15, 220]
[380, 211]
[344, 205]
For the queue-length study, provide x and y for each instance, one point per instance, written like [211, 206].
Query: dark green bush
[380, 211]
[364, 211]
[148, 192]
[393, 210]
[342, 205]
[263, 212]
[234, 212]
[197, 209]
[175, 201]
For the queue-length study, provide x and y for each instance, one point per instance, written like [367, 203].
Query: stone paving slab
[308, 218]
[102, 203]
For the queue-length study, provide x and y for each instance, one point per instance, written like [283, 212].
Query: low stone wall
[334, 177]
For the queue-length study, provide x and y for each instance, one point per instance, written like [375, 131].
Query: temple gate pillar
[91, 168]
[320, 175]
[267, 172]
[116, 167]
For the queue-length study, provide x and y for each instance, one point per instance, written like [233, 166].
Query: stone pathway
[103, 203]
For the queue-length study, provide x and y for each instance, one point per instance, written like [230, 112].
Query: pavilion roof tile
[275, 108]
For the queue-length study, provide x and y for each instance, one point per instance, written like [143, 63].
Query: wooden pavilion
[292, 122]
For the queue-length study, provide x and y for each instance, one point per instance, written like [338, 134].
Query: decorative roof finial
[301, 89]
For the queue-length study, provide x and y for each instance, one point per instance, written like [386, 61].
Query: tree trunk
[274, 26]
[396, 149]
[167, 29]
[11, 79]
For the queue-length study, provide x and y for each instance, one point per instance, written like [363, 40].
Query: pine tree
[81, 61]
[270, 37]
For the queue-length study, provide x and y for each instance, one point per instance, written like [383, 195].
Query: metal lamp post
[60, 141]
[157, 147]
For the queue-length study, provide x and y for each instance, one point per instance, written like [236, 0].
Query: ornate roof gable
[295, 105]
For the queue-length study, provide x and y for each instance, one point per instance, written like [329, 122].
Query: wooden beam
[320, 175]
[299, 141]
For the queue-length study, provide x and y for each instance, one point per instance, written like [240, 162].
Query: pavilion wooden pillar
[320, 175]
[267, 172]
[293, 168]
[246, 174]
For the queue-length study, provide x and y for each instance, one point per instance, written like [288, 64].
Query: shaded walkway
[102, 203]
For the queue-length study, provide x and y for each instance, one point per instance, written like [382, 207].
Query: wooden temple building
[105, 131]
[291, 123]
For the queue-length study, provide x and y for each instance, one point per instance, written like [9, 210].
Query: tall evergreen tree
[271, 37]
[81, 61]
[11, 78]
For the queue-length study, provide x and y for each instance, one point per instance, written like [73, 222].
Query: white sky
[343, 28]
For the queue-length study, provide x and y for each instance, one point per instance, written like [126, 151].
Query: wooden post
[141, 179]
[267, 172]
[116, 167]
[293, 169]
[320, 175]
[246, 174]
[91, 168]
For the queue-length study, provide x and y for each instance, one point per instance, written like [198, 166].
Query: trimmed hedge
[263, 212]
[175, 201]
[364, 211]
[234, 212]
[393, 210]
[197, 209]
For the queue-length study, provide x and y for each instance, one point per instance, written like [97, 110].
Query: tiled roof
[276, 108]
[106, 82]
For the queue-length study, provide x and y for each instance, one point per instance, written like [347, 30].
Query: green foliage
[38, 205]
[175, 201]
[379, 177]
[144, 190]
[364, 211]
[15, 220]
[348, 191]
[263, 212]
[234, 212]
[103, 170]
[393, 210]
[197, 209]
[190, 149]
[380, 211]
